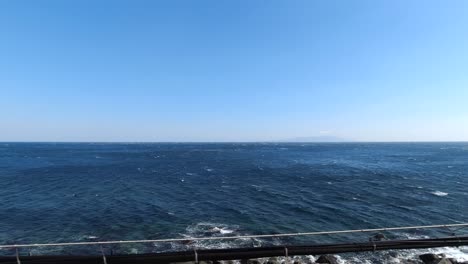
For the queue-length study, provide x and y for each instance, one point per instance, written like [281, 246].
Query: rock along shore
[333, 259]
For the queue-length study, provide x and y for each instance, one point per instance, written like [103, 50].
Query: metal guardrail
[232, 237]
[243, 254]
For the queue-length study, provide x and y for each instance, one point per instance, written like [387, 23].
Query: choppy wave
[156, 191]
[207, 229]
[400, 256]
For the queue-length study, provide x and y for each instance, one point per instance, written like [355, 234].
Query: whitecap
[412, 236]
[226, 231]
[207, 229]
[439, 193]
[215, 229]
[210, 229]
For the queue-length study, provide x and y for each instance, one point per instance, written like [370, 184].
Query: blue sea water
[63, 192]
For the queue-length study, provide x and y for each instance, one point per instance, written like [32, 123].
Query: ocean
[64, 192]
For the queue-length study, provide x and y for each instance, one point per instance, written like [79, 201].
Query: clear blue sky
[248, 70]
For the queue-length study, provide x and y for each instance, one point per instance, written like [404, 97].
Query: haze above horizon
[206, 71]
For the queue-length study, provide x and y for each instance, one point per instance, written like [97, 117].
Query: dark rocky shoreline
[428, 258]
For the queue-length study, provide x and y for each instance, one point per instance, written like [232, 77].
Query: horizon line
[238, 142]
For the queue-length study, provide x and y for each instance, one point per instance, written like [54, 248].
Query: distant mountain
[317, 139]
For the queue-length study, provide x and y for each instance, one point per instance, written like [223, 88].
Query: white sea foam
[208, 229]
[222, 230]
[226, 231]
[91, 237]
[402, 256]
[398, 256]
[460, 253]
[439, 193]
